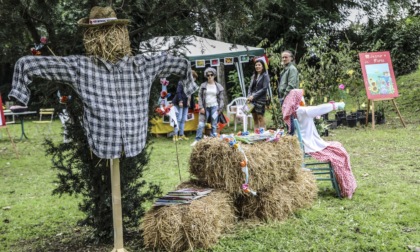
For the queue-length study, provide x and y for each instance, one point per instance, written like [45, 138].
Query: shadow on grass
[79, 240]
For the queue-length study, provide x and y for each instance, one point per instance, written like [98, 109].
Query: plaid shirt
[115, 96]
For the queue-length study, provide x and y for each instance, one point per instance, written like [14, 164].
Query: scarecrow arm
[165, 65]
[46, 67]
[314, 111]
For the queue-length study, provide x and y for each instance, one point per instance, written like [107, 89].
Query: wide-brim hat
[101, 16]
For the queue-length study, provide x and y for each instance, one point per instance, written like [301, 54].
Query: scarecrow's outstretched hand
[340, 105]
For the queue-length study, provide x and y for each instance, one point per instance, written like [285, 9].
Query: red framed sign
[378, 75]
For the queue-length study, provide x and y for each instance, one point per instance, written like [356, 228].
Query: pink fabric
[340, 160]
[291, 104]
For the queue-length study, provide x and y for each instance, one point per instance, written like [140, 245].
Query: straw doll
[314, 144]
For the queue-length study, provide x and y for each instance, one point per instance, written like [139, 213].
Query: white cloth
[211, 96]
[172, 115]
[311, 139]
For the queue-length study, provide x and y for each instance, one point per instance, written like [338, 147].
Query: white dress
[310, 137]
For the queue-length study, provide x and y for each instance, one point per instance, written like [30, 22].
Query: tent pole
[241, 77]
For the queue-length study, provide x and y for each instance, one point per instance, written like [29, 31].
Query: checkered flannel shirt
[115, 96]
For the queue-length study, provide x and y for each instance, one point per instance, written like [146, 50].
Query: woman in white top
[210, 102]
[314, 145]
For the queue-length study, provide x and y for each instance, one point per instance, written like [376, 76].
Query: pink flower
[342, 86]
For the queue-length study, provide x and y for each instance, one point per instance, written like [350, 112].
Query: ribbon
[244, 164]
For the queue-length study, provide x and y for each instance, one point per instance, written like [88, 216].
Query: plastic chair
[323, 171]
[233, 108]
[45, 113]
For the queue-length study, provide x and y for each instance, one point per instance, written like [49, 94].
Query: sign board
[378, 75]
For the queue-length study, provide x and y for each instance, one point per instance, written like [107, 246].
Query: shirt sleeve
[220, 98]
[62, 69]
[314, 111]
[165, 65]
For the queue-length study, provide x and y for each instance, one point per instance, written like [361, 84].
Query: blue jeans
[202, 119]
[181, 117]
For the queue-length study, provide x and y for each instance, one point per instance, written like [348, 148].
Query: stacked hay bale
[189, 227]
[275, 174]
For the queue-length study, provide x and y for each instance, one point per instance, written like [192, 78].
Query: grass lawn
[384, 214]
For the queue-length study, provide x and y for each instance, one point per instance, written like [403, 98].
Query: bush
[81, 172]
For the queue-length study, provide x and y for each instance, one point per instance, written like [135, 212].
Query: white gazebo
[201, 50]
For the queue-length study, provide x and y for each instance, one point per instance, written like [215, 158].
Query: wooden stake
[116, 206]
[398, 112]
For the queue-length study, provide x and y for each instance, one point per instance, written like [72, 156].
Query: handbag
[222, 118]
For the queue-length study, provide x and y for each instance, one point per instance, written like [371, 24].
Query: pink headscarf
[291, 104]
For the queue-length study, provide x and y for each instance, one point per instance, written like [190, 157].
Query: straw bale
[216, 164]
[189, 227]
[278, 202]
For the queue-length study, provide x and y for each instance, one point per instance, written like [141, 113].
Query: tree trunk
[221, 68]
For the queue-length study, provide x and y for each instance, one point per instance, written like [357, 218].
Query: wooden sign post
[379, 79]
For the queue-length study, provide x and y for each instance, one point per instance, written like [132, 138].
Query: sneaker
[183, 137]
[175, 138]
[194, 143]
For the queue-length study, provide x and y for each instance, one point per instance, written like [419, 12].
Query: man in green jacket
[289, 77]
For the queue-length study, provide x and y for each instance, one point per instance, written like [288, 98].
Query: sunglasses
[210, 75]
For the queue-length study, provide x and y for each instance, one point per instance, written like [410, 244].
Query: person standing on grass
[257, 93]
[289, 78]
[210, 101]
[182, 103]
[315, 146]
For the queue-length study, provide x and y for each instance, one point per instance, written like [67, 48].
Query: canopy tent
[198, 49]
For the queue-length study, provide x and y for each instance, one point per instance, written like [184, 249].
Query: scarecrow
[114, 87]
[315, 146]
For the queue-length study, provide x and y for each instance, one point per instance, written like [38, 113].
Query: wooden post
[398, 112]
[116, 206]
[373, 112]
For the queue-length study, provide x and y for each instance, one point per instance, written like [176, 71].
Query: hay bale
[216, 164]
[278, 202]
[189, 227]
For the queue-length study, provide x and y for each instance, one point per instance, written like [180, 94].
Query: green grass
[384, 214]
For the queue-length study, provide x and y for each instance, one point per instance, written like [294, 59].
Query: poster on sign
[378, 75]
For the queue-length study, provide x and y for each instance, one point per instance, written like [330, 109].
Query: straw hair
[110, 43]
